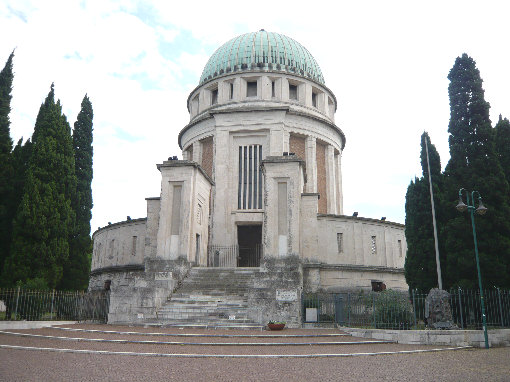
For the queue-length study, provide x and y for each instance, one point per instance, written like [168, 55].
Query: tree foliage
[7, 191]
[474, 165]
[45, 218]
[503, 145]
[76, 269]
[478, 156]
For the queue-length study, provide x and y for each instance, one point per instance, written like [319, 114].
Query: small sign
[140, 315]
[311, 314]
[231, 317]
[286, 295]
[163, 276]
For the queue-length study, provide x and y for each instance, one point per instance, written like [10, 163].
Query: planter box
[275, 326]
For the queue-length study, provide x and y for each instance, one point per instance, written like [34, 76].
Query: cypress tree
[474, 165]
[503, 146]
[45, 219]
[76, 270]
[420, 265]
[7, 191]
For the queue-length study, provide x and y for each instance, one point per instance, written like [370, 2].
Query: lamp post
[481, 210]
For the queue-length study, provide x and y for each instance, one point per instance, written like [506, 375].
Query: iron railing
[42, 305]
[466, 308]
[232, 256]
[249, 256]
[402, 310]
[222, 256]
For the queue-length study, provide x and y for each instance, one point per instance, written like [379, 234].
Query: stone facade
[259, 185]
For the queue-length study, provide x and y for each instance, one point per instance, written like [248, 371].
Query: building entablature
[360, 219]
[184, 163]
[116, 225]
[256, 116]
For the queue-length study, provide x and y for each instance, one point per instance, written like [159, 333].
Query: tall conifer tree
[76, 270]
[420, 265]
[7, 189]
[503, 146]
[45, 218]
[474, 165]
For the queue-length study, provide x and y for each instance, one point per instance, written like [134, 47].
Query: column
[197, 152]
[311, 164]
[331, 179]
[276, 142]
[339, 191]
[225, 189]
[286, 140]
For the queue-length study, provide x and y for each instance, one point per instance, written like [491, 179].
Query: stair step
[210, 297]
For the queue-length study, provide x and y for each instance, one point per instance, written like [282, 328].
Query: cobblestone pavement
[30, 365]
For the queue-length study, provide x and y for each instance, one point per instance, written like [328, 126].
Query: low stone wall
[136, 295]
[276, 294]
[497, 337]
[32, 324]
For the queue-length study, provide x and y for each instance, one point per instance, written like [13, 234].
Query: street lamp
[481, 210]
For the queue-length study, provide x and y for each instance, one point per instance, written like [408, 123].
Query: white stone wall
[336, 279]
[113, 245]
[357, 236]
[270, 127]
[287, 171]
[194, 212]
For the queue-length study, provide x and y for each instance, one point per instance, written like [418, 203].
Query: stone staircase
[212, 298]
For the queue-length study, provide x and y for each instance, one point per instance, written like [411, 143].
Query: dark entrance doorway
[249, 239]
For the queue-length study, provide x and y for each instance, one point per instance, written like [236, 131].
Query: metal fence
[39, 305]
[233, 256]
[401, 310]
[223, 255]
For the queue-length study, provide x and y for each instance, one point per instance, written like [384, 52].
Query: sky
[386, 61]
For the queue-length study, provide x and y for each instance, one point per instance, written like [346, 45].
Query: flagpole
[438, 264]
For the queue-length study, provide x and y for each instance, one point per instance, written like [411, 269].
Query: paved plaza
[121, 353]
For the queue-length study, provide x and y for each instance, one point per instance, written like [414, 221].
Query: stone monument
[438, 313]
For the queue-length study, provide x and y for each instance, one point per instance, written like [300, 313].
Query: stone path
[215, 352]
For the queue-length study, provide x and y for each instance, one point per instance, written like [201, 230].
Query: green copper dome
[264, 51]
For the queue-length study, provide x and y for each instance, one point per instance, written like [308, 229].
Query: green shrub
[393, 310]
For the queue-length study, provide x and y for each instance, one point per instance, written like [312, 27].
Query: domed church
[253, 212]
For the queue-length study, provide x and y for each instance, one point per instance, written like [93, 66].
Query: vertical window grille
[400, 248]
[249, 195]
[273, 91]
[231, 90]
[112, 247]
[133, 246]
[340, 242]
[374, 246]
